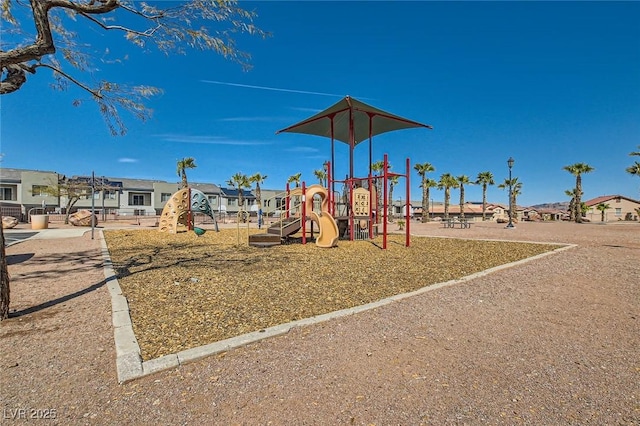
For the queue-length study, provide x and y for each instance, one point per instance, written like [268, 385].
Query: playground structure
[177, 214]
[297, 214]
[364, 214]
[357, 221]
[352, 122]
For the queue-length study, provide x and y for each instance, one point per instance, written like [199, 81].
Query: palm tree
[240, 181]
[634, 169]
[378, 168]
[462, 181]
[257, 178]
[516, 187]
[423, 169]
[584, 208]
[183, 165]
[393, 181]
[515, 191]
[577, 170]
[295, 179]
[428, 183]
[321, 175]
[572, 211]
[485, 179]
[602, 207]
[447, 181]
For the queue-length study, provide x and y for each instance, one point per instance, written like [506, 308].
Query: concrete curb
[128, 359]
[129, 363]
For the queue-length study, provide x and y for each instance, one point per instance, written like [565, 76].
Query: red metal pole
[189, 214]
[333, 160]
[350, 201]
[384, 203]
[352, 145]
[371, 182]
[408, 218]
[371, 209]
[352, 142]
[303, 217]
[329, 190]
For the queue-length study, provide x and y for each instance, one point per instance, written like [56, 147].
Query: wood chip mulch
[185, 291]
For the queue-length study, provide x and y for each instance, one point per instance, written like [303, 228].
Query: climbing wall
[175, 212]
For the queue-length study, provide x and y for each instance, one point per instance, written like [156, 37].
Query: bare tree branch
[148, 33]
[70, 78]
[170, 29]
[14, 79]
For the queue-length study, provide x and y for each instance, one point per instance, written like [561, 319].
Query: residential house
[473, 211]
[272, 201]
[552, 214]
[399, 209]
[230, 200]
[106, 195]
[620, 208]
[23, 191]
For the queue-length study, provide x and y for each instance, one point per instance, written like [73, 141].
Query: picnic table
[453, 222]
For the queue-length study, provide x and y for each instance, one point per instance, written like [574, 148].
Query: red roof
[604, 198]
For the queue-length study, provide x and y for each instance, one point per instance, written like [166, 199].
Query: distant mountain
[564, 205]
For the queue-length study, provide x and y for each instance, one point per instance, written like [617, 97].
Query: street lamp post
[510, 162]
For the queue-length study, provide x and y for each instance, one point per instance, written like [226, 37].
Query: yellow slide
[327, 225]
[328, 236]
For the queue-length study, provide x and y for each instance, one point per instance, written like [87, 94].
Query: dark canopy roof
[366, 121]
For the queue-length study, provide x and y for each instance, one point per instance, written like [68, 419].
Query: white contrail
[275, 89]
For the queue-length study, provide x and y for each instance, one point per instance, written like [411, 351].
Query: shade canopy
[351, 121]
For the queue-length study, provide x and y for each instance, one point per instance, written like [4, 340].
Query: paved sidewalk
[18, 235]
[57, 230]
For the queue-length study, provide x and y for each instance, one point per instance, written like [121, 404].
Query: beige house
[619, 208]
[472, 211]
[551, 214]
[22, 193]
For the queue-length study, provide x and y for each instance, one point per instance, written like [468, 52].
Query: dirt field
[552, 341]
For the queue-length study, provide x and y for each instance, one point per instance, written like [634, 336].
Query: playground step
[264, 245]
[289, 226]
[274, 231]
[264, 240]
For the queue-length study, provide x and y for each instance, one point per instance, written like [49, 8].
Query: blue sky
[547, 83]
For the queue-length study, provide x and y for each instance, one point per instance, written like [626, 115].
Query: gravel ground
[186, 291]
[551, 341]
